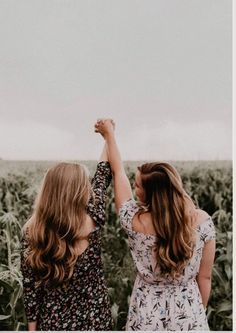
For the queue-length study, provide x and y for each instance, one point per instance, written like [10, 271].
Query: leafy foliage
[209, 184]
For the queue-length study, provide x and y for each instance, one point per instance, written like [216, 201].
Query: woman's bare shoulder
[200, 216]
[143, 223]
[28, 223]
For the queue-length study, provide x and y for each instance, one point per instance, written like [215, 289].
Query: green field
[208, 183]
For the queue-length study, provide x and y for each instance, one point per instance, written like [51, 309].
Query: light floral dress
[159, 304]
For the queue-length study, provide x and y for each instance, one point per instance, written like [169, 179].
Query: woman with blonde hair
[63, 281]
[171, 241]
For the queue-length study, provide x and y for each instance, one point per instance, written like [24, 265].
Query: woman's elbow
[204, 277]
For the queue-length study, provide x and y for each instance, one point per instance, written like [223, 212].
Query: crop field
[208, 183]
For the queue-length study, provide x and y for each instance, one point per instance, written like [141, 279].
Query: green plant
[210, 184]
[11, 315]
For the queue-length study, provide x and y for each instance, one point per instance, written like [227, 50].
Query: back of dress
[159, 303]
[83, 303]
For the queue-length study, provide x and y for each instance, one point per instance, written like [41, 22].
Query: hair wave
[54, 229]
[171, 210]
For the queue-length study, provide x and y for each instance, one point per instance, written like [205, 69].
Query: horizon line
[125, 160]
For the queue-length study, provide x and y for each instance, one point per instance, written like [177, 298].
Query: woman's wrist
[109, 136]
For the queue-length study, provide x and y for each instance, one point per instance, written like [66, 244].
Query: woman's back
[81, 303]
[161, 302]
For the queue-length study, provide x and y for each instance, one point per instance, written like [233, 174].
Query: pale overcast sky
[161, 68]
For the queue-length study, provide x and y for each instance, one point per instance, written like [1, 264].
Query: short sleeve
[100, 183]
[208, 230]
[32, 295]
[126, 213]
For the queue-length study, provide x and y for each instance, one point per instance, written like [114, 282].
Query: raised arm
[104, 156]
[122, 187]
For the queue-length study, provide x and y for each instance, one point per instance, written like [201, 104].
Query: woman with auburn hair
[171, 241]
[63, 280]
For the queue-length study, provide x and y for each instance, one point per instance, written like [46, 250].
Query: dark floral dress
[157, 303]
[84, 303]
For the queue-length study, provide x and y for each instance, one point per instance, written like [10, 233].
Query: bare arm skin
[122, 185]
[104, 156]
[205, 271]
[32, 326]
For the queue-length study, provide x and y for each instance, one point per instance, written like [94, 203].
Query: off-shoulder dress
[157, 303]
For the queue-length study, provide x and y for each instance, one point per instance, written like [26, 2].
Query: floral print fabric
[82, 304]
[159, 304]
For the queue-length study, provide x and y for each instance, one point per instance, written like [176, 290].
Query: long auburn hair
[171, 210]
[54, 228]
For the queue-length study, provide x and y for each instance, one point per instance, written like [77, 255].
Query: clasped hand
[104, 126]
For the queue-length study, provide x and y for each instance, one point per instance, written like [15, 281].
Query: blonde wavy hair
[171, 209]
[54, 229]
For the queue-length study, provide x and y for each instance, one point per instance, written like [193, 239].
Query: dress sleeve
[126, 213]
[208, 230]
[32, 295]
[100, 183]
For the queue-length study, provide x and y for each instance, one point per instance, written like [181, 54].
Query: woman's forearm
[204, 285]
[122, 188]
[104, 156]
[114, 154]
[32, 326]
